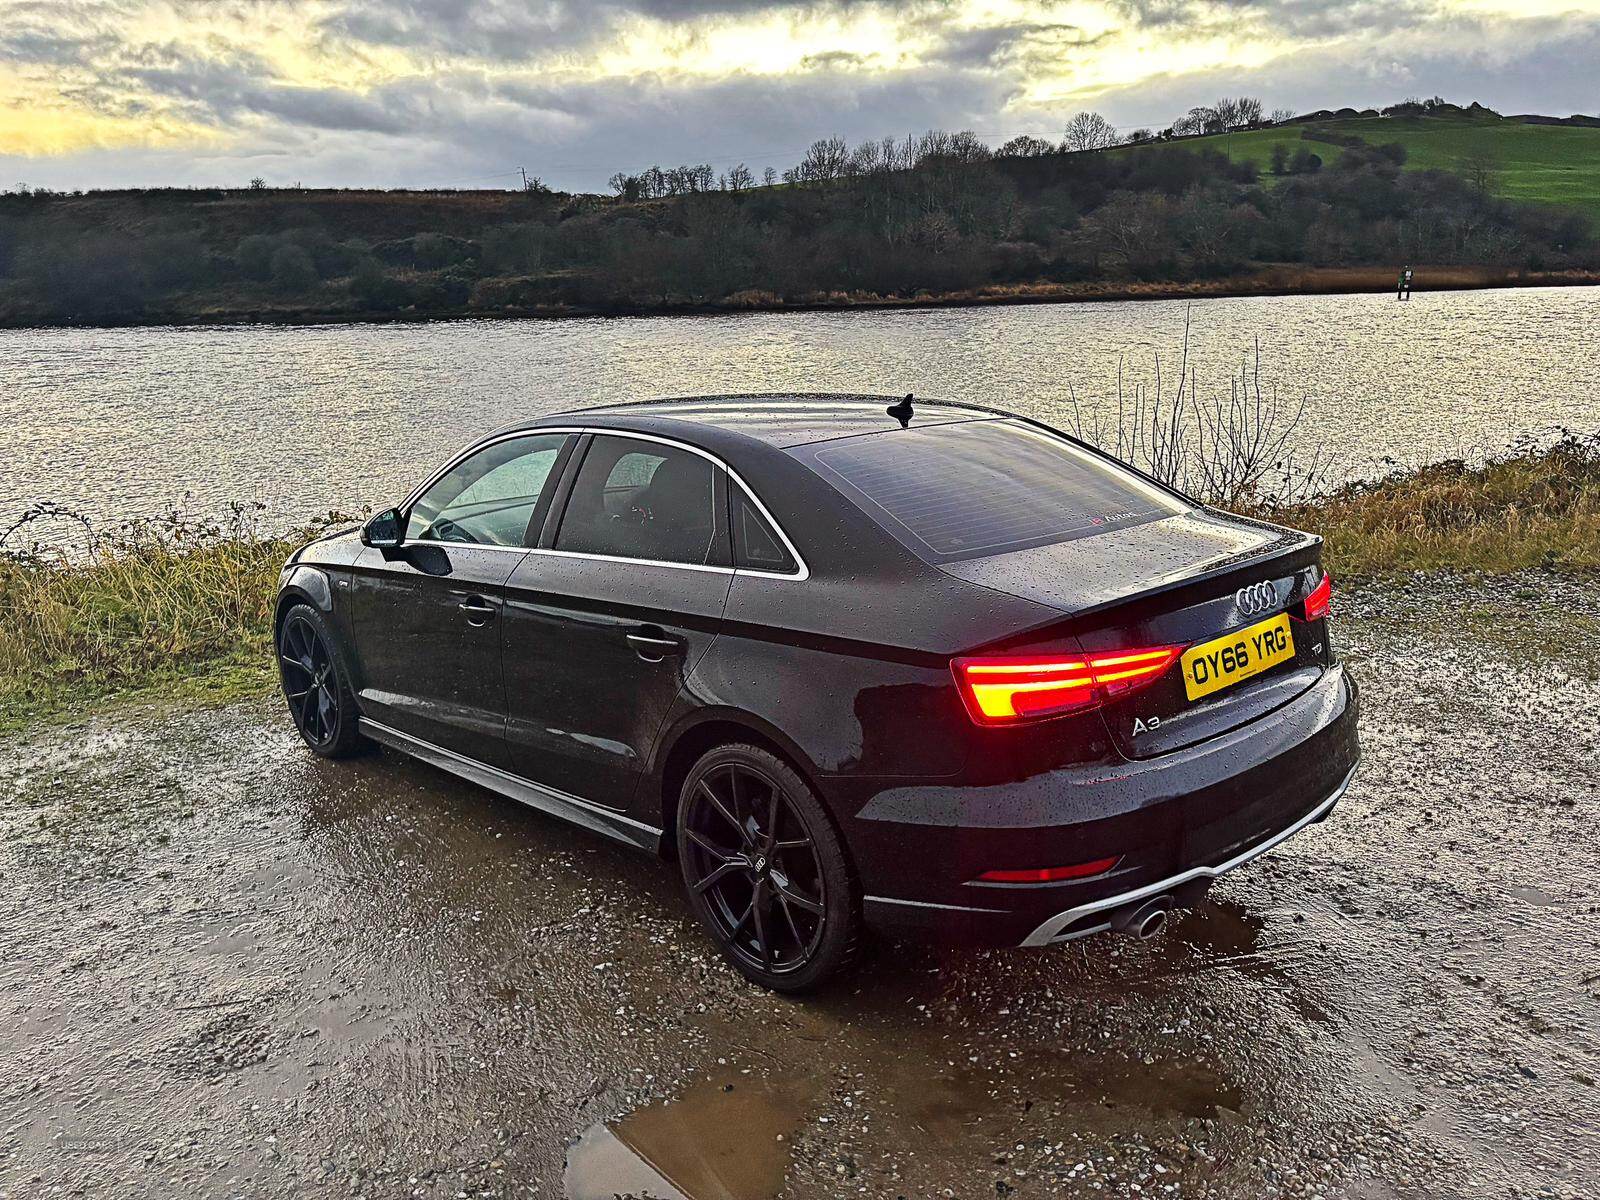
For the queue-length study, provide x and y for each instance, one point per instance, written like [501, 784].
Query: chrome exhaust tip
[1144, 919]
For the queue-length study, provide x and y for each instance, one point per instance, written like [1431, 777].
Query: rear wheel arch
[684, 747]
[765, 875]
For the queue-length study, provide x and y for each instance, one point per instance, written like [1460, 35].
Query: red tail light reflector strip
[1007, 689]
[1052, 874]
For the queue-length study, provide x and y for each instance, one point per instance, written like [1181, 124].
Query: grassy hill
[1474, 199]
[1528, 162]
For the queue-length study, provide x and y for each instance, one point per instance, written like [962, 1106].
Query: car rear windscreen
[967, 490]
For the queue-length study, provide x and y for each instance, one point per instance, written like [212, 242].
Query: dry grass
[180, 607]
[1536, 506]
[154, 604]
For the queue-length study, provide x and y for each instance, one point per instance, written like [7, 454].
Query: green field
[1545, 164]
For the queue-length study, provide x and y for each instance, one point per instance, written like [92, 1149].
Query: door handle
[477, 610]
[653, 647]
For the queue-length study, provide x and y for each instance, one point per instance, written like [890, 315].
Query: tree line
[834, 158]
[936, 213]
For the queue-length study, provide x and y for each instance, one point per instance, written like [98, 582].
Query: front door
[605, 624]
[428, 614]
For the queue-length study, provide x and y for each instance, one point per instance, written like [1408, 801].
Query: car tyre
[766, 871]
[316, 684]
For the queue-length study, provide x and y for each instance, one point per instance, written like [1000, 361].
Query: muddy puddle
[727, 1137]
[228, 969]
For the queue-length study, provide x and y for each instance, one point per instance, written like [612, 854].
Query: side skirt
[535, 795]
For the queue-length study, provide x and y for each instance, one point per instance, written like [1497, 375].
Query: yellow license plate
[1225, 661]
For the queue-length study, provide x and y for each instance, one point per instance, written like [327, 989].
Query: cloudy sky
[100, 93]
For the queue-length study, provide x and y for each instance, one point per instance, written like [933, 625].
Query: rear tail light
[1320, 602]
[1009, 689]
[1052, 874]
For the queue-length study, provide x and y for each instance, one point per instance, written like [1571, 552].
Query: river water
[117, 423]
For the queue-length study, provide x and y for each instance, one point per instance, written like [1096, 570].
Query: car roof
[781, 420]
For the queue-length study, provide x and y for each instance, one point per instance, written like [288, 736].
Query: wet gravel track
[227, 968]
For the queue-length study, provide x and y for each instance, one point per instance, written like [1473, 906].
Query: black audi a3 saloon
[923, 668]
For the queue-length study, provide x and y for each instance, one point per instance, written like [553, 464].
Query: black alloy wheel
[314, 684]
[765, 869]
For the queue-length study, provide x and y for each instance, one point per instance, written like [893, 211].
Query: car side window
[489, 498]
[756, 545]
[646, 500]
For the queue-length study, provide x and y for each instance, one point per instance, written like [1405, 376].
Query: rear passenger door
[606, 619]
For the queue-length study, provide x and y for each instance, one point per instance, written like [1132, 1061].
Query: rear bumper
[1092, 917]
[1177, 822]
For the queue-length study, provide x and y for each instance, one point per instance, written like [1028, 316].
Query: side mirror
[384, 530]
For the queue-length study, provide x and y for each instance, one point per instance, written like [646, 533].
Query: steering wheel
[446, 530]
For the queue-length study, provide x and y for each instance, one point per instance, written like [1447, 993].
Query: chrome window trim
[404, 507]
[467, 546]
[707, 568]
[802, 574]
[461, 456]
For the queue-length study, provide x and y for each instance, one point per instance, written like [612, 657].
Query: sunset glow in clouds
[423, 92]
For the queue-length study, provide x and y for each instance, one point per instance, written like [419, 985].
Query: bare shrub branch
[1237, 450]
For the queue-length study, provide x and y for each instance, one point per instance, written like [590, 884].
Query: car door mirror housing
[383, 530]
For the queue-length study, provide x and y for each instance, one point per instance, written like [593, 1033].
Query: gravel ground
[230, 969]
